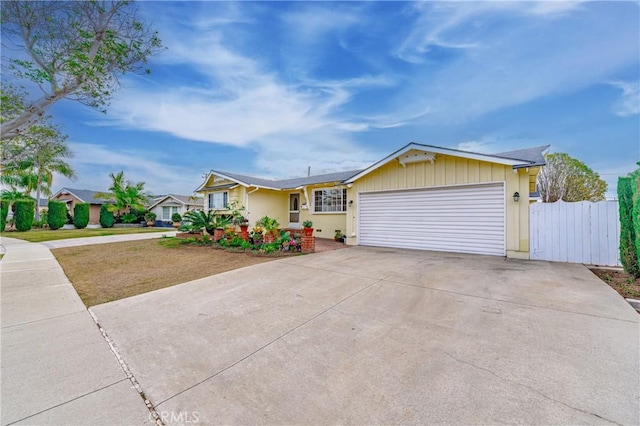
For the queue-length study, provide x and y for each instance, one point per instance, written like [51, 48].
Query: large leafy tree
[124, 195]
[73, 49]
[568, 179]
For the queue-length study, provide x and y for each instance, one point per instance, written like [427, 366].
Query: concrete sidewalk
[56, 366]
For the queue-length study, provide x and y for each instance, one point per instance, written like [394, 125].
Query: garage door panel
[465, 219]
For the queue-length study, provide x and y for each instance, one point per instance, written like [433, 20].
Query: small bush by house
[57, 216]
[106, 217]
[4, 211]
[25, 209]
[81, 215]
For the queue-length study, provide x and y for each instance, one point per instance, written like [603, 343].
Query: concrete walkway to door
[56, 366]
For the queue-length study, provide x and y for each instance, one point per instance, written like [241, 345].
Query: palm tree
[35, 171]
[48, 160]
[124, 194]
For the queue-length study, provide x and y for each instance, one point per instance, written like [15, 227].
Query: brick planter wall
[308, 244]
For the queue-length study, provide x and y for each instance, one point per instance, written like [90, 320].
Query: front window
[330, 200]
[167, 211]
[218, 200]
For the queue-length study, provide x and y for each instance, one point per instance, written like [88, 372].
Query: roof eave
[524, 166]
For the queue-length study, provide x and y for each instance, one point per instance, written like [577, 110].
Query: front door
[294, 211]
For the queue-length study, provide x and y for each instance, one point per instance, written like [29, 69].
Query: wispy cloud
[242, 101]
[509, 53]
[93, 163]
[629, 103]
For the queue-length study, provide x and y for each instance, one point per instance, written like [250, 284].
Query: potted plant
[220, 222]
[339, 236]
[270, 226]
[150, 217]
[256, 234]
[307, 228]
[176, 219]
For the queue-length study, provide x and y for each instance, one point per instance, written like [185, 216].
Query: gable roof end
[512, 161]
[84, 195]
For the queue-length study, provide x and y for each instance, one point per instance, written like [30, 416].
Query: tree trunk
[39, 184]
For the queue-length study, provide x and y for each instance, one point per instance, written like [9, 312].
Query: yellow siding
[449, 170]
[266, 202]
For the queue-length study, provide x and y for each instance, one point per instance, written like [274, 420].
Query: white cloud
[93, 163]
[242, 102]
[508, 53]
[629, 103]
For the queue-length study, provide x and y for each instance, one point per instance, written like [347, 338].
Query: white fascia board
[163, 199]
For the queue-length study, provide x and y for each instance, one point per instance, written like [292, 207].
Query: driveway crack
[506, 379]
[127, 371]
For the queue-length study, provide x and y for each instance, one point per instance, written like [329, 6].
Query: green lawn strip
[40, 235]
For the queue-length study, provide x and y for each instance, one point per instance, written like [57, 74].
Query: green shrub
[25, 210]
[43, 219]
[176, 217]
[81, 215]
[106, 217]
[4, 210]
[635, 215]
[628, 238]
[129, 218]
[57, 216]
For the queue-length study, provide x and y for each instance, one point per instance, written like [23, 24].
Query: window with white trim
[332, 200]
[167, 211]
[218, 200]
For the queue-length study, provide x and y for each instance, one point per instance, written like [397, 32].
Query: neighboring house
[43, 204]
[166, 205]
[74, 196]
[419, 197]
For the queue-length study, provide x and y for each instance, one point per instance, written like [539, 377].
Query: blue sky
[268, 89]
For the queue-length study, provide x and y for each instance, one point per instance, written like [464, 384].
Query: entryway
[294, 211]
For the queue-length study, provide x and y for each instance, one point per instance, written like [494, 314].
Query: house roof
[186, 200]
[529, 157]
[282, 183]
[84, 195]
[535, 155]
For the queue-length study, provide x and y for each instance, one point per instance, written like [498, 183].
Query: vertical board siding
[583, 232]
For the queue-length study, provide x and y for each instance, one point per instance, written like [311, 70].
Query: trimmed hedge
[81, 215]
[106, 217]
[25, 210]
[4, 211]
[57, 216]
[628, 224]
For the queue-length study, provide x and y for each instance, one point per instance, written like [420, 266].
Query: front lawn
[40, 235]
[106, 272]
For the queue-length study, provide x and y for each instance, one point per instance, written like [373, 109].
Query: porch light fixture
[350, 202]
[516, 196]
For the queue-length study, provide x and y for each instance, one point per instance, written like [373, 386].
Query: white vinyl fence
[582, 232]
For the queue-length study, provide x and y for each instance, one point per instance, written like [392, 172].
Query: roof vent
[416, 156]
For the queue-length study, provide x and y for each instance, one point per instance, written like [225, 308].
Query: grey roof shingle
[86, 195]
[531, 155]
[290, 183]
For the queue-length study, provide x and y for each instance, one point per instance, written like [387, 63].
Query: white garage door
[464, 219]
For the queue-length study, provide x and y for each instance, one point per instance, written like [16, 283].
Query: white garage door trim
[454, 218]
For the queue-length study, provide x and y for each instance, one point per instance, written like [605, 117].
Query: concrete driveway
[371, 336]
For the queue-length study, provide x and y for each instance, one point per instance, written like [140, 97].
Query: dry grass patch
[106, 272]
